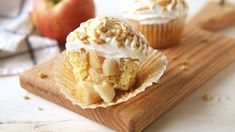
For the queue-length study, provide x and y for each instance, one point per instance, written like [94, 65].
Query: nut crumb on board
[185, 62]
[174, 58]
[40, 109]
[184, 65]
[43, 75]
[26, 97]
[206, 97]
[184, 68]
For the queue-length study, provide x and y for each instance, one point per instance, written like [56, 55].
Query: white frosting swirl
[151, 12]
[109, 49]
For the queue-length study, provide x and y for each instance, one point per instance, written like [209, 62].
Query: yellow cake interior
[95, 70]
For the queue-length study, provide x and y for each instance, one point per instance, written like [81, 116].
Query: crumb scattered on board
[43, 75]
[185, 65]
[204, 40]
[174, 58]
[184, 68]
[228, 98]
[206, 97]
[185, 62]
[40, 109]
[222, 99]
[26, 97]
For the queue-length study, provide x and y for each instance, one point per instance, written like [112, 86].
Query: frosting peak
[100, 30]
[154, 11]
[110, 37]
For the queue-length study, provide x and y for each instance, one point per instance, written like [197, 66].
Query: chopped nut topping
[143, 8]
[101, 29]
[43, 75]
[163, 2]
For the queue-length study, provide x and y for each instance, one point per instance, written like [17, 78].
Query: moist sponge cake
[122, 78]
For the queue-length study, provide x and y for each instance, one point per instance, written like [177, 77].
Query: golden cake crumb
[43, 75]
[40, 109]
[174, 58]
[26, 97]
[206, 97]
[184, 68]
[185, 65]
[185, 62]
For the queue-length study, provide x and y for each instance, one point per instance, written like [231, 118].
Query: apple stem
[56, 1]
[222, 2]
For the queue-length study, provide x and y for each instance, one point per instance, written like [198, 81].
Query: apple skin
[57, 20]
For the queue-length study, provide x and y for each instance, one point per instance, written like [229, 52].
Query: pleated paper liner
[150, 72]
[161, 35]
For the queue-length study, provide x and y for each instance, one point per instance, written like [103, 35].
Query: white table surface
[193, 114]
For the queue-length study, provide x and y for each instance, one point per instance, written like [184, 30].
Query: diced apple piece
[110, 67]
[106, 92]
[86, 93]
[94, 60]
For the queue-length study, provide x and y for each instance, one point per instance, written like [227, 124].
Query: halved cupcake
[161, 21]
[106, 54]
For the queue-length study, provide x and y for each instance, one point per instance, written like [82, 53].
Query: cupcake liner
[161, 35]
[150, 72]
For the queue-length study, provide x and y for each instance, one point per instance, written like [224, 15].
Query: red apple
[57, 18]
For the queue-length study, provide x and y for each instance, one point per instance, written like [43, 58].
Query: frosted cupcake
[105, 55]
[161, 21]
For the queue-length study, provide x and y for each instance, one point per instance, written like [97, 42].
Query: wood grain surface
[214, 16]
[200, 55]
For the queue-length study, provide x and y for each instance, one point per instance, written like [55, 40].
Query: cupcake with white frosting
[104, 56]
[161, 21]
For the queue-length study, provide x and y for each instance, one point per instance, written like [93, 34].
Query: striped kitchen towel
[21, 46]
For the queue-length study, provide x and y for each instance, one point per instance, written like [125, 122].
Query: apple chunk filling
[109, 67]
[86, 93]
[106, 91]
[89, 93]
[95, 60]
[98, 77]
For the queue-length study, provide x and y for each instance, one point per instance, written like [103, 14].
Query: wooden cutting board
[198, 57]
[214, 16]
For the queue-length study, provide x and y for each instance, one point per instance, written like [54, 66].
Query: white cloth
[21, 47]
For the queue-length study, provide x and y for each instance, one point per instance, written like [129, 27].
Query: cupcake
[161, 21]
[103, 57]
